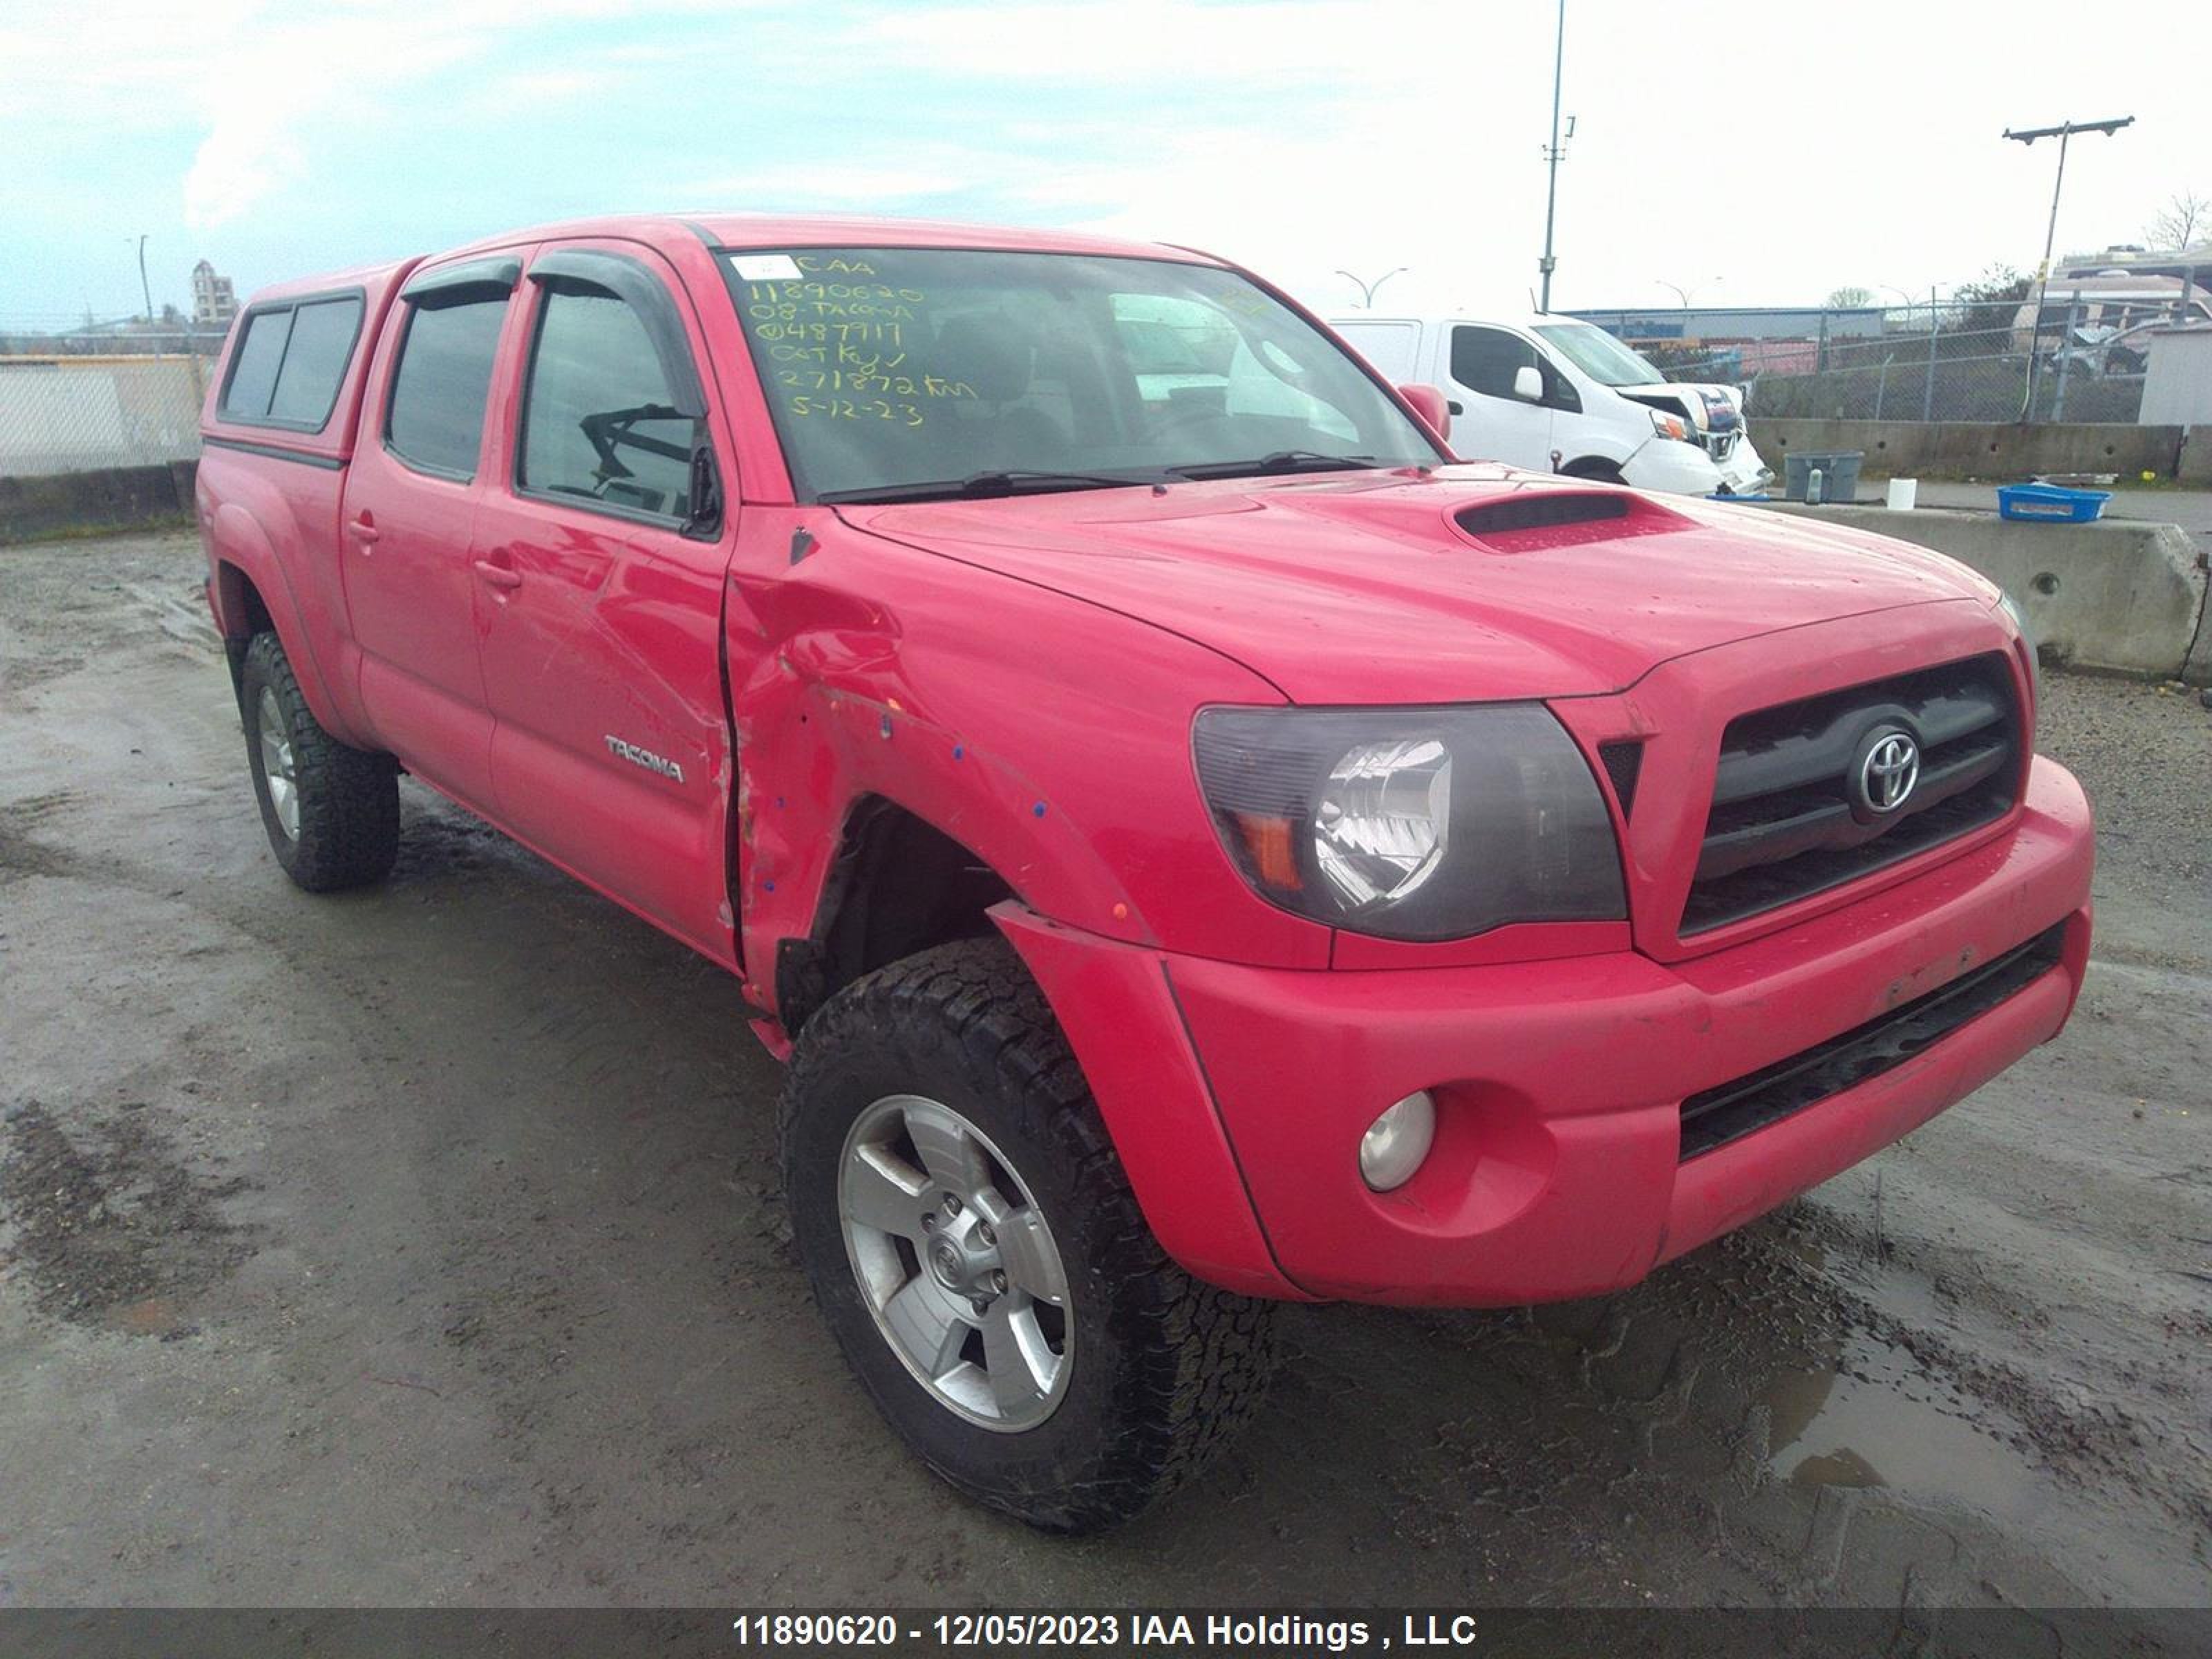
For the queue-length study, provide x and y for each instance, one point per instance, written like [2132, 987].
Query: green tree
[1849, 298]
[1988, 304]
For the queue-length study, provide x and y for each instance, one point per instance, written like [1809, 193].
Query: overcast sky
[1751, 154]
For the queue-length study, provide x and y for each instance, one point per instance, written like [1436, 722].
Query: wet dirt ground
[423, 1246]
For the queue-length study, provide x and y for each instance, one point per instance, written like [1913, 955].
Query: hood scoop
[1562, 517]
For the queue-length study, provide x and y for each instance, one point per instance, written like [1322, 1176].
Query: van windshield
[1599, 355]
[911, 373]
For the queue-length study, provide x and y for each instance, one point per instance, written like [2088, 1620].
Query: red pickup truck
[1196, 843]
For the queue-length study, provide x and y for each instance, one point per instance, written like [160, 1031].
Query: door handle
[363, 529]
[499, 576]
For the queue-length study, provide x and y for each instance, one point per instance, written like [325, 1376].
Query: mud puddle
[1878, 1418]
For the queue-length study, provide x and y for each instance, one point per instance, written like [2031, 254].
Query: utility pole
[1553, 153]
[1366, 289]
[2063, 132]
[143, 287]
[1928, 389]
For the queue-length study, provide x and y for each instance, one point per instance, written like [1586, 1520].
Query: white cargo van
[1557, 395]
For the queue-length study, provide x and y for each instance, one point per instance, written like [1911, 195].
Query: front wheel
[978, 1254]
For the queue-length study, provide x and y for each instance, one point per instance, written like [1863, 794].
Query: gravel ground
[423, 1246]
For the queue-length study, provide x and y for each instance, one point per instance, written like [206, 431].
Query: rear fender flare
[241, 551]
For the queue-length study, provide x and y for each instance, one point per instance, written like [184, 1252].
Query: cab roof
[371, 278]
[775, 230]
[746, 230]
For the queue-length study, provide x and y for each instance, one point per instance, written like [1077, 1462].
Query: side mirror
[1429, 404]
[1528, 383]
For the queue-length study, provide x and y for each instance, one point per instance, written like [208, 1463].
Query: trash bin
[2050, 503]
[1839, 470]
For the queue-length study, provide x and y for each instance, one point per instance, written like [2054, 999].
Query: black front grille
[1716, 1116]
[1786, 821]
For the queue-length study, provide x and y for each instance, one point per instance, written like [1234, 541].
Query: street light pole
[2063, 133]
[1548, 264]
[142, 286]
[1686, 295]
[1367, 290]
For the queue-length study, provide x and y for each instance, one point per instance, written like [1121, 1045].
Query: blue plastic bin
[2051, 503]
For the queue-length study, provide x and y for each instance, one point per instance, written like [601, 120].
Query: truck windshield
[911, 373]
[1599, 355]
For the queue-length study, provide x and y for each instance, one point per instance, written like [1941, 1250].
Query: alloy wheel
[278, 768]
[957, 1263]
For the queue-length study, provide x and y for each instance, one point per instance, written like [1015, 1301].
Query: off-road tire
[348, 800]
[1166, 1369]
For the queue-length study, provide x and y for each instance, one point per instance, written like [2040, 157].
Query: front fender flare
[1119, 1012]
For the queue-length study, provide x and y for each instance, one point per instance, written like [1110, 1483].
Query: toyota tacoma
[1197, 845]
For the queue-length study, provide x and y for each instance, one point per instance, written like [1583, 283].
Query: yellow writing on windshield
[844, 349]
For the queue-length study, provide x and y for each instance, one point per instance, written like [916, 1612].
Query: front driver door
[610, 749]
[1500, 426]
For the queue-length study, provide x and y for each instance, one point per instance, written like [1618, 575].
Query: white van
[1556, 395]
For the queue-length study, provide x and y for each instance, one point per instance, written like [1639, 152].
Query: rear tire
[1120, 1390]
[331, 812]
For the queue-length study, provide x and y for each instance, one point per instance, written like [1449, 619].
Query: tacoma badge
[644, 757]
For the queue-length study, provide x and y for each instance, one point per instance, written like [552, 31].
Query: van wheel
[1596, 472]
[975, 1246]
[332, 813]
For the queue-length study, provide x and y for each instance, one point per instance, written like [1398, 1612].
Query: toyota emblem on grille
[1888, 773]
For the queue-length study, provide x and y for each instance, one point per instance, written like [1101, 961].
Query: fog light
[1397, 1142]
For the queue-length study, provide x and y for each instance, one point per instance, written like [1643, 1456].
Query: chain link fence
[1944, 362]
[79, 403]
[75, 402]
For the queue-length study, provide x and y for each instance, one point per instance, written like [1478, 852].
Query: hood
[1714, 408]
[1471, 583]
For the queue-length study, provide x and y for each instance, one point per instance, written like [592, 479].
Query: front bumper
[1557, 1170]
[1743, 470]
[1672, 467]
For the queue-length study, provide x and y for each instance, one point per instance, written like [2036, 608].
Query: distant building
[213, 302]
[1708, 324]
[2194, 262]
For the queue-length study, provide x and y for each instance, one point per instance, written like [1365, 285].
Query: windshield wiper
[980, 486]
[1281, 460]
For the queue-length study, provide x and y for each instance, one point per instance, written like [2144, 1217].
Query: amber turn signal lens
[1269, 841]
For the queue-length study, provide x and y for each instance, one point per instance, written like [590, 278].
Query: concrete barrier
[2116, 595]
[96, 502]
[2001, 451]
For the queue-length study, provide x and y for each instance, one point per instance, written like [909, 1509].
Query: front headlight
[1672, 426]
[1420, 823]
